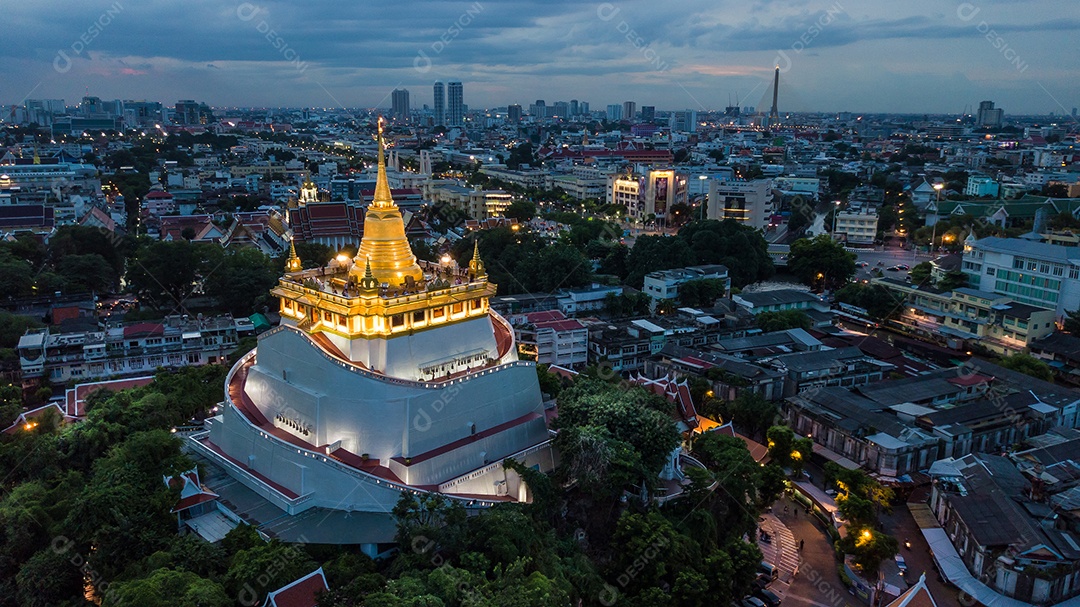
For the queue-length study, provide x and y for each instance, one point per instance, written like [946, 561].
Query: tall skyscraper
[614, 112]
[648, 113]
[440, 105]
[562, 109]
[513, 113]
[455, 106]
[629, 108]
[573, 107]
[989, 115]
[583, 108]
[400, 105]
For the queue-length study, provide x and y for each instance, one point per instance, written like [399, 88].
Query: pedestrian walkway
[782, 551]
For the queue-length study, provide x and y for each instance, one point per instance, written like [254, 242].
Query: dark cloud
[293, 53]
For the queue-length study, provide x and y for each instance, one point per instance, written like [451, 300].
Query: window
[397, 320]
[457, 308]
[418, 316]
[1031, 265]
[1018, 264]
[1074, 273]
[1059, 270]
[1044, 268]
[989, 271]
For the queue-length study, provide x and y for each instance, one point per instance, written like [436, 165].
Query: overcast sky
[863, 56]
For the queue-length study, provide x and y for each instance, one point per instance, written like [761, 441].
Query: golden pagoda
[384, 244]
[293, 264]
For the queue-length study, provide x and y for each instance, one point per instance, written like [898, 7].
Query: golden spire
[384, 244]
[293, 264]
[368, 282]
[476, 265]
[382, 199]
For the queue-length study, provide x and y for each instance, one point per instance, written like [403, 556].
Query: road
[888, 258]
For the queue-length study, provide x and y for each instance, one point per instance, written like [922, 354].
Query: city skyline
[930, 59]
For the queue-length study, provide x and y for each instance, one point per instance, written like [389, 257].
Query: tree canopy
[821, 262]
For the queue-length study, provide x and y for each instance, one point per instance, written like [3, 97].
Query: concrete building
[386, 374]
[125, 350]
[477, 203]
[988, 115]
[552, 339]
[439, 107]
[748, 202]
[614, 112]
[664, 284]
[629, 110]
[857, 227]
[1004, 537]
[779, 300]
[455, 104]
[979, 186]
[648, 195]
[400, 110]
[974, 317]
[586, 299]
[1030, 272]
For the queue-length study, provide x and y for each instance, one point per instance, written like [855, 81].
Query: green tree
[821, 262]
[89, 272]
[782, 320]
[880, 302]
[521, 209]
[920, 274]
[240, 279]
[952, 279]
[702, 292]
[169, 588]
[1072, 322]
[1028, 365]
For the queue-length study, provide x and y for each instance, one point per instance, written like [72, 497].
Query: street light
[835, 213]
[937, 210]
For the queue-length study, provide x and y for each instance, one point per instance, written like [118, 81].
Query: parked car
[768, 569]
[752, 601]
[892, 269]
[901, 564]
[770, 598]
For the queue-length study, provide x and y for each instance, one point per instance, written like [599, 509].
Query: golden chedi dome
[384, 245]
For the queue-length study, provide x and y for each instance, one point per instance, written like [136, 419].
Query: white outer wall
[387, 420]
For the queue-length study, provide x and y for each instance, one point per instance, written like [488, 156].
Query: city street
[889, 257]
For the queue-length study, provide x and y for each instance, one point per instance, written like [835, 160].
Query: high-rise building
[629, 108]
[187, 112]
[386, 374]
[684, 121]
[574, 110]
[748, 202]
[400, 110]
[538, 109]
[614, 112]
[455, 104]
[440, 105]
[583, 108]
[562, 109]
[648, 113]
[513, 113]
[989, 115]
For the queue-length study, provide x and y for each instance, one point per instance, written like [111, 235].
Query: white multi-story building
[748, 202]
[644, 195]
[126, 350]
[1030, 272]
[553, 339]
[979, 186]
[857, 227]
[664, 284]
[803, 186]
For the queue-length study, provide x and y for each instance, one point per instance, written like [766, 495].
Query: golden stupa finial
[476, 265]
[293, 264]
[382, 198]
[369, 282]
